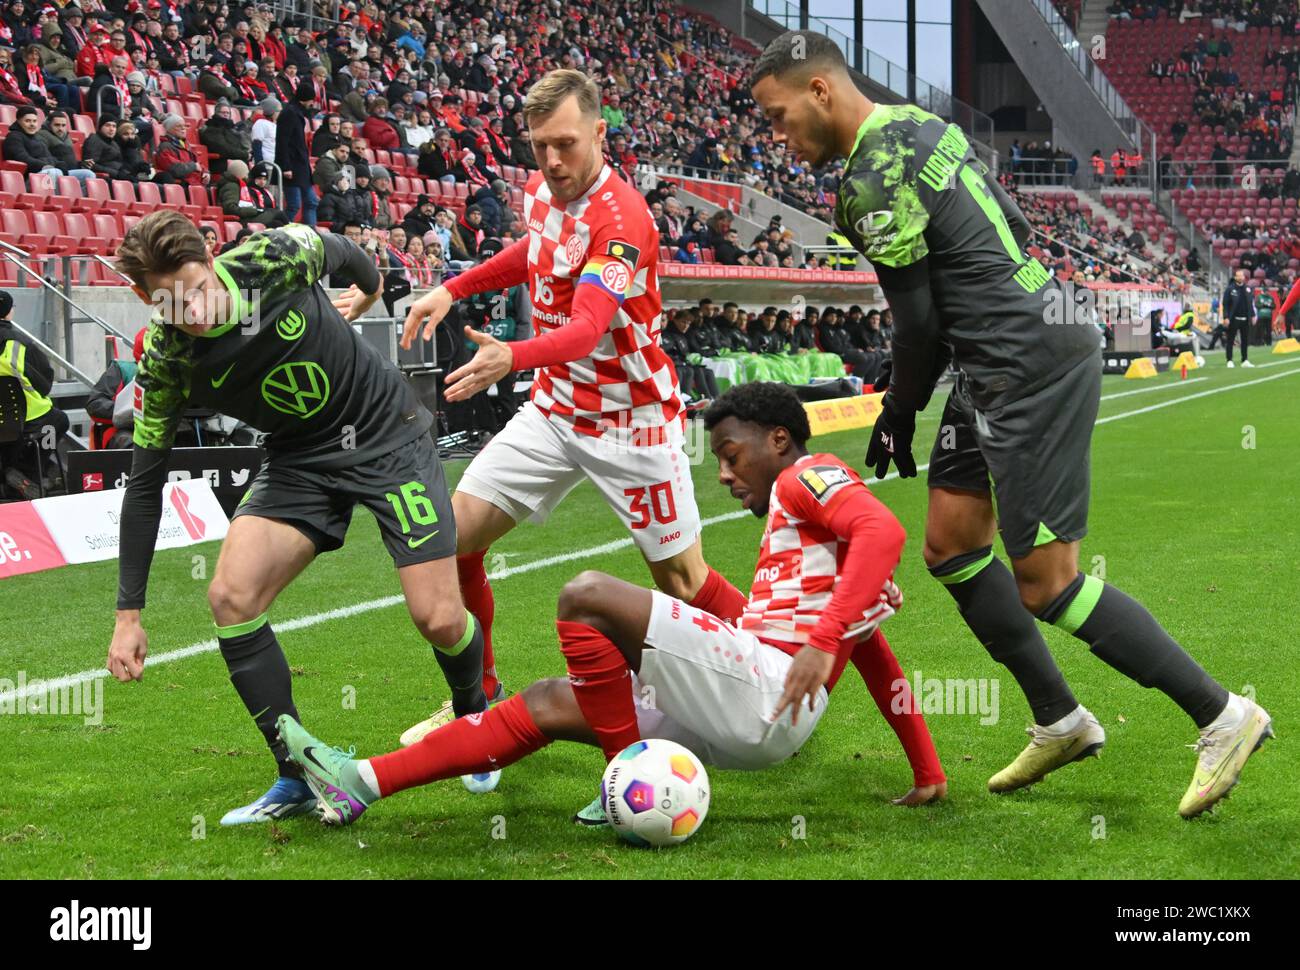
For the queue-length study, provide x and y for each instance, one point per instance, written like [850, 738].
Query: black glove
[891, 439]
[882, 379]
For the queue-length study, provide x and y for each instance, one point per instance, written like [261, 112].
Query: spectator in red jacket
[94, 53]
[377, 130]
[174, 160]
[117, 48]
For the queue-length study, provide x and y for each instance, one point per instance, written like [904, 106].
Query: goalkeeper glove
[891, 439]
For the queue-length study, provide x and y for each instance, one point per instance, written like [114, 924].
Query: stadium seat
[47, 226]
[12, 185]
[77, 227]
[124, 192]
[108, 226]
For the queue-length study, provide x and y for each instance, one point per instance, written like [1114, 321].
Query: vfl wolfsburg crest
[300, 388]
[291, 326]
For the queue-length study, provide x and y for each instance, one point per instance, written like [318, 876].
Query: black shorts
[405, 490]
[1032, 453]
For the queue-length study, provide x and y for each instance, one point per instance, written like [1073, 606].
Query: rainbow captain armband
[610, 273]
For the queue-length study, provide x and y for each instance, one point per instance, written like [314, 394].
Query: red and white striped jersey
[606, 238]
[800, 560]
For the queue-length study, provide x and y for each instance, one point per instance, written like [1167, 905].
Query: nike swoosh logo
[217, 382]
[307, 753]
[416, 543]
[1202, 791]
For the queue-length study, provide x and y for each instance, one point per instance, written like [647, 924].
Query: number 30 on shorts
[659, 505]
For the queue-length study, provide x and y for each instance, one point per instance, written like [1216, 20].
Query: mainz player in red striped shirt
[745, 696]
[605, 403]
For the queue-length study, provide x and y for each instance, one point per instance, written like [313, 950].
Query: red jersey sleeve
[608, 277]
[833, 497]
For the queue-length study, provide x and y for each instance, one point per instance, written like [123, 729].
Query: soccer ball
[655, 793]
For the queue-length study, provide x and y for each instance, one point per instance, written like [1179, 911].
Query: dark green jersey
[948, 245]
[286, 363]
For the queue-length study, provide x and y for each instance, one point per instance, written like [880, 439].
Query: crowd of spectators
[1071, 242]
[390, 77]
[1230, 14]
[695, 335]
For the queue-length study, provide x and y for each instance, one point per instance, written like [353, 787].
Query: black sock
[462, 665]
[261, 676]
[1123, 633]
[989, 602]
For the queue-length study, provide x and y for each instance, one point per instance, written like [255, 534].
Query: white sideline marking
[1160, 387]
[302, 622]
[1192, 397]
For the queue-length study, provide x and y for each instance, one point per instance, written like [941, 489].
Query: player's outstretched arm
[506, 269]
[876, 540]
[141, 515]
[589, 319]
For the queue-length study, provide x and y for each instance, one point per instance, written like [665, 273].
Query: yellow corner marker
[1142, 367]
[1288, 346]
[1185, 359]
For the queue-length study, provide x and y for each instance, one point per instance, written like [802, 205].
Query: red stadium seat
[108, 226]
[124, 192]
[12, 185]
[76, 225]
[47, 226]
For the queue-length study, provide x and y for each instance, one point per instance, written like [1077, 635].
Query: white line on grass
[1192, 397]
[302, 622]
[1147, 390]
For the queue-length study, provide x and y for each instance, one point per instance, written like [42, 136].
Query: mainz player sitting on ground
[735, 695]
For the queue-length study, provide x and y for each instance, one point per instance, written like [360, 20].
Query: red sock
[476, 743]
[879, 668]
[476, 591]
[600, 678]
[719, 597]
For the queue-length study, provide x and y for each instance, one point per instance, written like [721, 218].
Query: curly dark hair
[765, 403]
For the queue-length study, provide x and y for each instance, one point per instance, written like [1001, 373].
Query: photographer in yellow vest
[21, 358]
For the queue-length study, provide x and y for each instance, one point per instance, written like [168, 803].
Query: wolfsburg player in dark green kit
[948, 246]
[253, 335]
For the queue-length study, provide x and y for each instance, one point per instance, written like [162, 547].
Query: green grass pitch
[1193, 512]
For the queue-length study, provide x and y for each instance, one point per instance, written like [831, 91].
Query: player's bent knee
[680, 583]
[1035, 594]
[551, 705]
[231, 603]
[440, 623]
[582, 597]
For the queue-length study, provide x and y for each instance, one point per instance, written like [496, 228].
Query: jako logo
[193, 524]
[102, 923]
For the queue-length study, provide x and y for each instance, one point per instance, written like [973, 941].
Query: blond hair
[546, 96]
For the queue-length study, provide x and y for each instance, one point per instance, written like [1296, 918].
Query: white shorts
[712, 688]
[534, 462]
